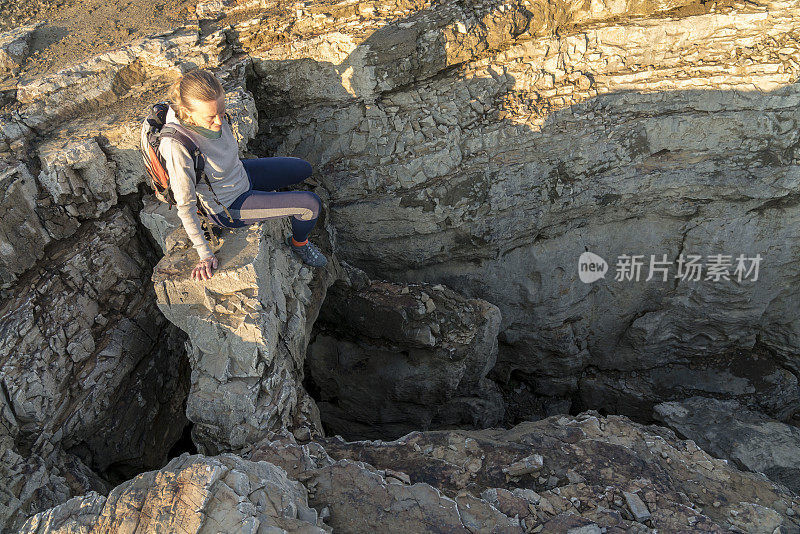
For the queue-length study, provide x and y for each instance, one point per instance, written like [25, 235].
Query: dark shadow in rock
[184, 443]
[388, 359]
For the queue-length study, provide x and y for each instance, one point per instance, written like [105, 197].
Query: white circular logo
[591, 267]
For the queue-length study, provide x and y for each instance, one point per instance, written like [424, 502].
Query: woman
[242, 191]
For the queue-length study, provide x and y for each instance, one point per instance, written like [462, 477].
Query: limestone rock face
[579, 474]
[161, 221]
[241, 107]
[482, 146]
[78, 177]
[67, 346]
[35, 480]
[24, 236]
[747, 438]
[391, 358]
[94, 377]
[76, 183]
[44, 103]
[32, 483]
[606, 471]
[494, 143]
[499, 142]
[105, 78]
[88, 366]
[356, 497]
[192, 493]
[248, 328]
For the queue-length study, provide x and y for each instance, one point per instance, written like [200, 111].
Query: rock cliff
[467, 154]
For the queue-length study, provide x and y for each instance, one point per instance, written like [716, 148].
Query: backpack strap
[199, 162]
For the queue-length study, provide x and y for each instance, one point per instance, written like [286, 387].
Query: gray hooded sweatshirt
[223, 168]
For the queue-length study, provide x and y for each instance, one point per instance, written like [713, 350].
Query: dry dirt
[75, 30]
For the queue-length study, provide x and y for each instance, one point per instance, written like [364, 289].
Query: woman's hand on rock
[203, 269]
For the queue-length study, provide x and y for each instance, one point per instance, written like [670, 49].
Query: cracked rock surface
[479, 147]
[93, 379]
[192, 493]
[570, 471]
[749, 439]
[498, 142]
[579, 474]
[391, 358]
[248, 328]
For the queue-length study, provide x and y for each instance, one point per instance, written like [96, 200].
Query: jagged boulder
[192, 494]
[578, 474]
[391, 358]
[609, 471]
[14, 46]
[248, 327]
[78, 177]
[749, 439]
[88, 365]
[34, 480]
[23, 235]
[161, 221]
[356, 497]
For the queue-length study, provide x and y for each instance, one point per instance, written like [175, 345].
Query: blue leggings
[263, 202]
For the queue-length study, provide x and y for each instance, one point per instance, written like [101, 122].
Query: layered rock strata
[482, 146]
[248, 327]
[487, 146]
[390, 358]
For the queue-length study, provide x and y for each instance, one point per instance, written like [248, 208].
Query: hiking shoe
[310, 254]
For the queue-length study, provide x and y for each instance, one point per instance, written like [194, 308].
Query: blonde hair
[197, 85]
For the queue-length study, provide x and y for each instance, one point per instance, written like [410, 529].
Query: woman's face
[206, 114]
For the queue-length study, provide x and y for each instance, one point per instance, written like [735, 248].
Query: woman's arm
[181, 181]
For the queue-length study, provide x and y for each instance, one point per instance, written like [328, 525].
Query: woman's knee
[317, 202]
[312, 203]
[304, 168]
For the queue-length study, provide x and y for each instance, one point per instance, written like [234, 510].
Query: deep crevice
[184, 443]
